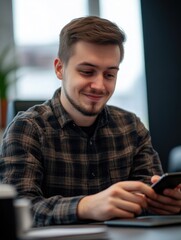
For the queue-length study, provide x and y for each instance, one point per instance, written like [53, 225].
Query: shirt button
[90, 142]
[93, 174]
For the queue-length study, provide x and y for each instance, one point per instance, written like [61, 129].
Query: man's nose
[98, 82]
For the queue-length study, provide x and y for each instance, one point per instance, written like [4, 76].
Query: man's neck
[82, 120]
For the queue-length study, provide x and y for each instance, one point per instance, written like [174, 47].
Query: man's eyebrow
[94, 65]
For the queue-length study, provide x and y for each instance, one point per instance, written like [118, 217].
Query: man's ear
[58, 66]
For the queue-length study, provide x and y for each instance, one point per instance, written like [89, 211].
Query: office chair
[16, 106]
[174, 163]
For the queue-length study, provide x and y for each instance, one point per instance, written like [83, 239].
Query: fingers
[155, 179]
[173, 193]
[127, 199]
[120, 213]
[129, 196]
[117, 208]
[160, 211]
[138, 187]
[120, 193]
[128, 202]
[169, 203]
[102, 207]
[163, 208]
[179, 187]
[121, 200]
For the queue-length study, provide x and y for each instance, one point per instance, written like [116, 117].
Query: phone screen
[168, 180]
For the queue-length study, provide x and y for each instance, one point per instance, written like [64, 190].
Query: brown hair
[90, 29]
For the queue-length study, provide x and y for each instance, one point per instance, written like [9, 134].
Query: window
[131, 84]
[37, 24]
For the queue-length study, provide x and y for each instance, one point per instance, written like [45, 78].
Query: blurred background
[149, 80]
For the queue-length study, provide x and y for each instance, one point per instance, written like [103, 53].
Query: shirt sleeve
[21, 166]
[146, 161]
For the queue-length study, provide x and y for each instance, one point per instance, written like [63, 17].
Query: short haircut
[90, 29]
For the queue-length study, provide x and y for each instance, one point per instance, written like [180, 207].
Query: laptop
[146, 221]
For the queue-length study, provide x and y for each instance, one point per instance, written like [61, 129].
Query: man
[76, 158]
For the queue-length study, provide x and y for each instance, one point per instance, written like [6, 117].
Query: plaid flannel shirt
[51, 161]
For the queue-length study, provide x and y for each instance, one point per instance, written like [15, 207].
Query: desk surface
[132, 233]
[166, 233]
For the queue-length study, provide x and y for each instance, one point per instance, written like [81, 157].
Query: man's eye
[84, 72]
[109, 76]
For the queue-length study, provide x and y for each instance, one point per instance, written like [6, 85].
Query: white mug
[23, 216]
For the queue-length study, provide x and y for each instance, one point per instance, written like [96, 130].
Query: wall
[162, 39]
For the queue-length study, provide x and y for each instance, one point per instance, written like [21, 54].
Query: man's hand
[168, 203]
[121, 200]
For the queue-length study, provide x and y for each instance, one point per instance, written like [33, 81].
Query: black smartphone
[167, 180]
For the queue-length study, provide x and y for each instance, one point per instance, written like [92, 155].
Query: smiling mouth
[94, 97]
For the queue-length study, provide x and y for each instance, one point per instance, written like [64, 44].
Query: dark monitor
[19, 105]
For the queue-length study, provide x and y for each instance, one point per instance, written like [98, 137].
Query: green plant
[7, 67]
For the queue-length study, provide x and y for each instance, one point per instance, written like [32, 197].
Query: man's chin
[90, 113]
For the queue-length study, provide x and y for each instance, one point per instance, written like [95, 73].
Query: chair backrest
[16, 106]
[174, 163]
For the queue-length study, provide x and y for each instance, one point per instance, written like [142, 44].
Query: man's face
[89, 77]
